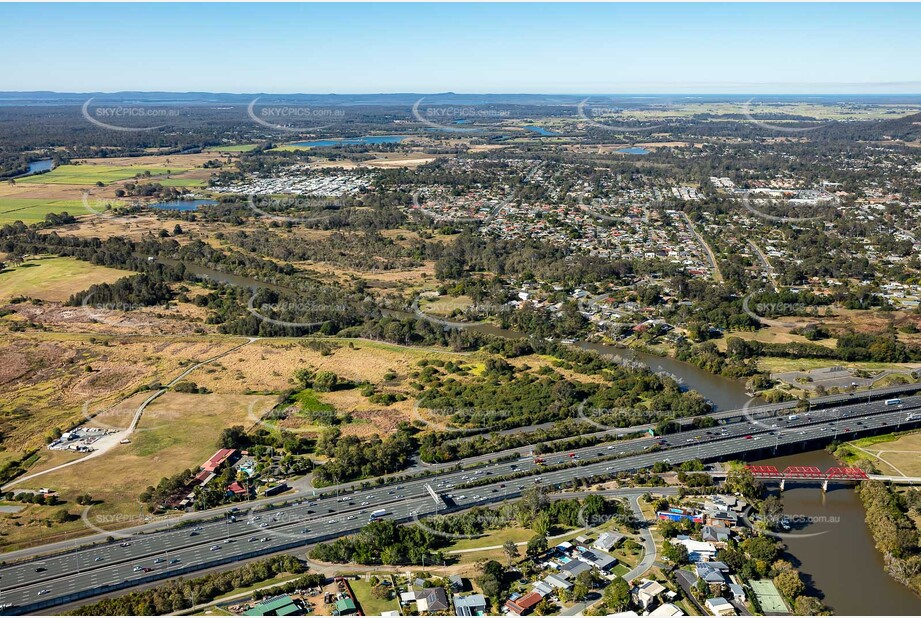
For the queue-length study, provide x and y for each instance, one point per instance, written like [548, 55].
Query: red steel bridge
[808, 473]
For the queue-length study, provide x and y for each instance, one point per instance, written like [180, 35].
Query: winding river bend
[724, 393]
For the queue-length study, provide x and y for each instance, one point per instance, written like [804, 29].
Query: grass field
[445, 305]
[176, 432]
[32, 210]
[895, 454]
[53, 279]
[181, 182]
[45, 381]
[369, 604]
[233, 148]
[780, 365]
[91, 174]
[495, 537]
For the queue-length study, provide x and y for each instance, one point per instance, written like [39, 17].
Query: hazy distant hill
[409, 98]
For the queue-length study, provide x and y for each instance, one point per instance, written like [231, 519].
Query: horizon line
[468, 93]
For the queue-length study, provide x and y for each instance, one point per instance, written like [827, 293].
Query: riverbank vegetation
[890, 517]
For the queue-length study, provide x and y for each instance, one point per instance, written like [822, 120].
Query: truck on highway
[893, 402]
[375, 515]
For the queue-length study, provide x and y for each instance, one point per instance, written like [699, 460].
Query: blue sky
[501, 48]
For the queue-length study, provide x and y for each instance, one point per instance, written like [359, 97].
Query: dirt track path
[113, 440]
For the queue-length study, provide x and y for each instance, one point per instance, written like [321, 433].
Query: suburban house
[208, 471]
[666, 610]
[543, 588]
[738, 592]
[598, 559]
[715, 534]
[720, 607]
[218, 459]
[698, 551]
[470, 605]
[727, 518]
[646, 593]
[557, 582]
[575, 567]
[607, 540]
[236, 489]
[457, 583]
[427, 600]
[712, 572]
[523, 605]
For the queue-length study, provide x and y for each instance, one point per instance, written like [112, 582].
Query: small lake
[184, 205]
[37, 167]
[352, 141]
[541, 131]
[633, 150]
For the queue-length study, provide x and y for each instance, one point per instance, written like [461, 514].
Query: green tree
[808, 606]
[617, 595]
[740, 479]
[541, 524]
[789, 584]
[771, 510]
[511, 551]
[537, 545]
[761, 548]
[490, 581]
[545, 608]
[701, 589]
[325, 381]
[579, 591]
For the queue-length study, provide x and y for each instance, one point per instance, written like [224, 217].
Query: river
[834, 549]
[723, 393]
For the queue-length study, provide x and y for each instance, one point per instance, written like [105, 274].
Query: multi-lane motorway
[134, 559]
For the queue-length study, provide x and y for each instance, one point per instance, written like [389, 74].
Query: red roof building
[217, 459]
[236, 489]
[523, 605]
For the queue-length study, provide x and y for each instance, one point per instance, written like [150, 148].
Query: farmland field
[32, 210]
[54, 279]
[181, 182]
[91, 174]
[233, 148]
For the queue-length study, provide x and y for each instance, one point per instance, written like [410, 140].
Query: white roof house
[697, 550]
[720, 607]
[607, 540]
[666, 610]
